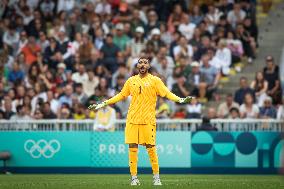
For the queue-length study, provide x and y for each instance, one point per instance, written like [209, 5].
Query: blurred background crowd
[59, 56]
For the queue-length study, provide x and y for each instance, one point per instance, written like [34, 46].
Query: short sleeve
[255, 109]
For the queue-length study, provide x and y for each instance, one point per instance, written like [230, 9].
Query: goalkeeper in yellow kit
[141, 118]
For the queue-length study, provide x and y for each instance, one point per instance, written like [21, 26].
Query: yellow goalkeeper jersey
[144, 92]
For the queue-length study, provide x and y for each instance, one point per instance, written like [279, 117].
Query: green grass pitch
[91, 181]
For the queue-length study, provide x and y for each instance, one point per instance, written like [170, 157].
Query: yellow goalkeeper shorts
[140, 134]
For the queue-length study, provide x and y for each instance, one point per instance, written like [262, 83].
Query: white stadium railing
[162, 125]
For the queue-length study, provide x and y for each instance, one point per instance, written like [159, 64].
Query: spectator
[206, 125]
[120, 38]
[119, 83]
[259, 85]
[51, 54]
[152, 21]
[79, 112]
[16, 75]
[90, 84]
[181, 88]
[198, 80]
[236, 16]
[47, 112]
[234, 113]
[105, 119]
[267, 110]
[103, 8]
[157, 60]
[54, 104]
[74, 26]
[64, 113]
[163, 110]
[180, 113]
[166, 36]
[38, 115]
[196, 16]
[242, 91]
[43, 42]
[271, 75]
[104, 88]
[11, 37]
[225, 107]
[137, 44]
[136, 20]
[203, 47]
[80, 76]
[64, 46]
[47, 9]
[211, 113]
[164, 69]
[212, 76]
[183, 48]
[122, 71]
[109, 52]
[247, 42]
[79, 93]
[186, 27]
[21, 114]
[30, 51]
[175, 18]
[194, 109]
[223, 54]
[213, 17]
[183, 64]
[18, 100]
[280, 112]
[248, 109]
[67, 97]
[65, 5]
[85, 49]
[8, 112]
[236, 47]
[22, 41]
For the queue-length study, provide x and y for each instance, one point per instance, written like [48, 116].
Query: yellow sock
[133, 158]
[152, 152]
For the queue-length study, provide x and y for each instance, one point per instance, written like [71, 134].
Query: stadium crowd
[59, 56]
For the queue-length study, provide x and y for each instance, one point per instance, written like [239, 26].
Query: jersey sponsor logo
[42, 148]
[146, 84]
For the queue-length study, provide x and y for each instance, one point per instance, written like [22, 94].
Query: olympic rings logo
[42, 148]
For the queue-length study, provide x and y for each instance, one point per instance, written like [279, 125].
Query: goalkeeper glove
[97, 106]
[186, 99]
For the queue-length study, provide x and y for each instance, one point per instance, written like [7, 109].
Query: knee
[133, 145]
[149, 146]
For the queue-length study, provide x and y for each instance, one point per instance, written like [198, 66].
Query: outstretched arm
[163, 91]
[120, 96]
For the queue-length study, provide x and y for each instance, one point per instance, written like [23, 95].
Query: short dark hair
[120, 77]
[205, 119]
[229, 95]
[234, 109]
[78, 85]
[19, 108]
[243, 78]
[143, 57]
[109, 35]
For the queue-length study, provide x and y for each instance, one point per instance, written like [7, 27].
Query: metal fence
[162, 125]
